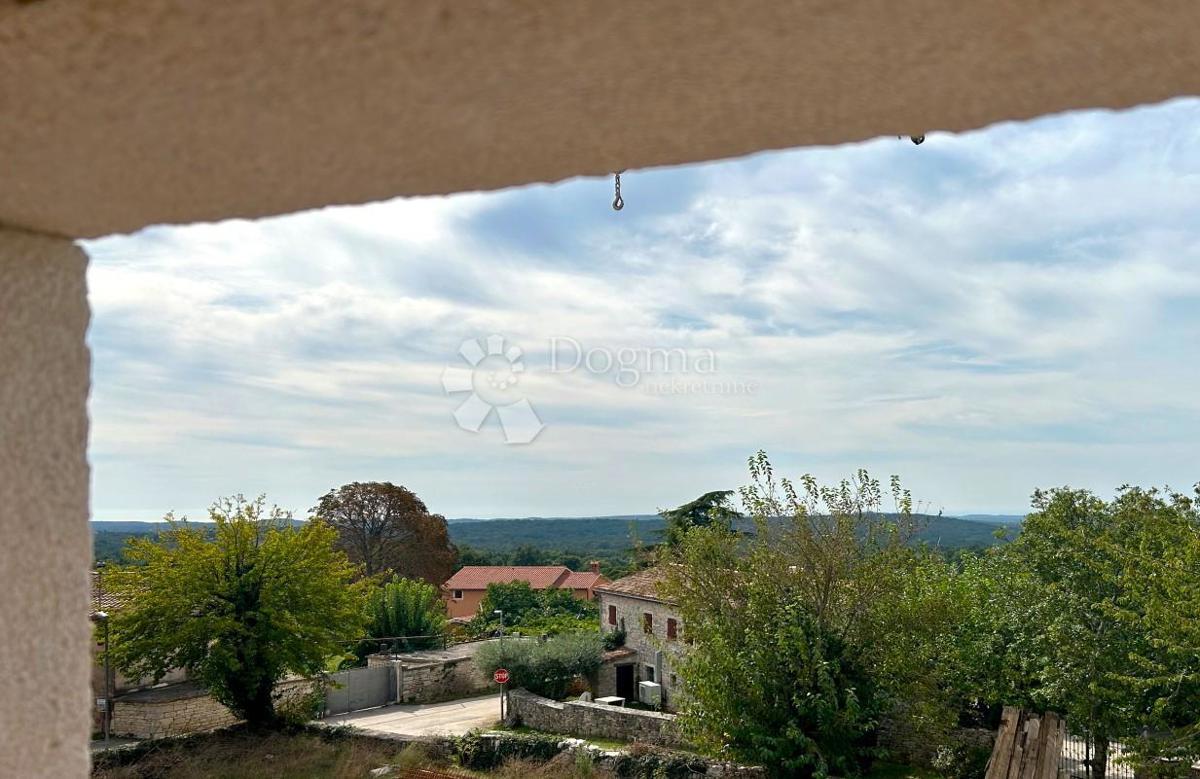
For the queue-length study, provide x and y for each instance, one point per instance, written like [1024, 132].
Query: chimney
[595, 566]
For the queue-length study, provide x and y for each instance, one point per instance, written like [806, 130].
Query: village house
[464, 591]
[653, 637]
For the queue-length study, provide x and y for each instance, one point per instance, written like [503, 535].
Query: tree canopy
[240, 608]
[387, 528]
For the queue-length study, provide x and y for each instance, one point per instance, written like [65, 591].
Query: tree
[784, 667]
[239, 609]
[1090, 612]
[385, 527]
[515, 599]
[406, 609]
[711, 508]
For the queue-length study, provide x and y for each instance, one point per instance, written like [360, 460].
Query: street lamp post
[504, 687]
[101, 618]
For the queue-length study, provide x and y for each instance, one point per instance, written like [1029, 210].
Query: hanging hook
[618, 201]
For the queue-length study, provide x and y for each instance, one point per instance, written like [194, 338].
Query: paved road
[426, 719]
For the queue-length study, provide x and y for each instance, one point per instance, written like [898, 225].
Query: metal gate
[1079, 758]
[360, 688]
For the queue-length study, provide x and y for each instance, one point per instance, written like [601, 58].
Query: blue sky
[987, 313]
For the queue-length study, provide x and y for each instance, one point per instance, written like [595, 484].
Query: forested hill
[609, 535]
[599, 536]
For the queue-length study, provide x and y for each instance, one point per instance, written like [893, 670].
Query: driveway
[426, 719]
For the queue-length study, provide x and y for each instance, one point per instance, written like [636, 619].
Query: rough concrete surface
[45, 544]
[121, 113]
[453, 718]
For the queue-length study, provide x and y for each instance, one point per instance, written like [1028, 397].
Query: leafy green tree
[710, 509]
[408, 612]
[784, 663]
[1159, 597]
[515, 599]
[240, 608]
[533, 612]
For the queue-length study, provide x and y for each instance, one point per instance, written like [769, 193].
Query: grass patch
[884, 770]
[239, 754]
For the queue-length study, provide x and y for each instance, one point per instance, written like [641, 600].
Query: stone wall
[436, 675]
[180, 709]
[908, 743]
[592, 720]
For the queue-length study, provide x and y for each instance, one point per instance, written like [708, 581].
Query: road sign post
[500, 677]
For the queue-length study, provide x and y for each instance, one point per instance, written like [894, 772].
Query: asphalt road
[426, 719]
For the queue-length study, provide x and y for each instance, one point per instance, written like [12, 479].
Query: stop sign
[500, 676]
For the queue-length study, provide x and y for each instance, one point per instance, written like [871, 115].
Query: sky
[983, 314]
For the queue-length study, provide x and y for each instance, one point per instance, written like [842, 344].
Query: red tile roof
[478, 577]
[643, 584]
[583, 580]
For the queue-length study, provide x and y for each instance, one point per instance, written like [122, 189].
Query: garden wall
[592, 720]
[180, 709]
[909, 744]
[436, 675]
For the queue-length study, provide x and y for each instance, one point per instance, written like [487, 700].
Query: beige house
[653, 637]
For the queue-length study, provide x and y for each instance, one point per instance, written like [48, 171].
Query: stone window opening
[458, 595]
[647, 622]
[612, 615]
[672, 629]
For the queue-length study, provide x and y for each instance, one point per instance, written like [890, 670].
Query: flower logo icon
[492, 381]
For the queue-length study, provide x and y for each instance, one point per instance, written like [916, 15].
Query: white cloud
[983, 314]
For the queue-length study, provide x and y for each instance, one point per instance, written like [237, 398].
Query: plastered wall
[45, 546]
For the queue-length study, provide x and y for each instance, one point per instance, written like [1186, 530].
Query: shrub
[646, 762]
[544, 667]
[481, 753]
[961, 760]
[614, 639]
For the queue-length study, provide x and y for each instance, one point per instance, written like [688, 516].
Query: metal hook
[618, 201]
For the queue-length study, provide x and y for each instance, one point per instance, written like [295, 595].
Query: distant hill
[607, 535]
[1011, 520]
[600, 536]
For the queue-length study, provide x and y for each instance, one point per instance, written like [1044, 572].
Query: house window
[672, 629]
[612, 615]
[647, 622]
[649, 673]
[458, 594]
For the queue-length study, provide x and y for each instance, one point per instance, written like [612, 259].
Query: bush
[614, 639]
[481, 753]
[961, 760]
[544, 667]
[647, 762]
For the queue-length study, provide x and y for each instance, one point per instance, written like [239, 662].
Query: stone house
[653, 636]
[463, 592]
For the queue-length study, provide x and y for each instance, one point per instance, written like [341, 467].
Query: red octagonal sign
[500, 676]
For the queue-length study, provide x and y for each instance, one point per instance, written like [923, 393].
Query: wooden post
[1027, 746]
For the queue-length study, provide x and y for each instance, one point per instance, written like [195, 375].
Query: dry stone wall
[180, 709]
[593, 720]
